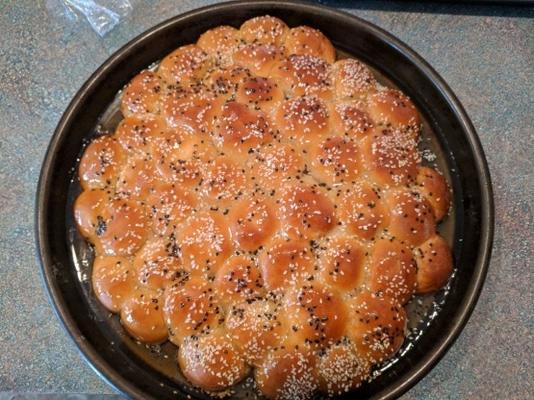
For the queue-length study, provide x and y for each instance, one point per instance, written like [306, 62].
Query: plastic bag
[102, 15]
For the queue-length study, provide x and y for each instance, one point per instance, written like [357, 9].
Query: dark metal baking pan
[149, 371]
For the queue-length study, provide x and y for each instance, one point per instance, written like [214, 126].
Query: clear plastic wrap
[102, 15]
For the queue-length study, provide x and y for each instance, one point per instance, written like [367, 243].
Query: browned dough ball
[392, 270]
[392, 107]
[169, 205]
[184, 65]
[285, 262]
[433, 187]
[212, 362]
[87, 209]
[305, 212]
[335, 160]
[142, 95]
[113, 281]
[341, 369]
[314, 314]
[137, 132]
[101, 163]
[310, 41]
[260, 93]
[137, 178]
[204, 242]
[410, 217]
[304, 75]
[376, 327]
[361, 210]
[287, 374]
[157, 263]
[224, 181]
[254, 327]
[124, 227]
[264, 29]
[302, 119]
[351, 119]
[239, 279]
[353, 79]
[142, 316]
[220, 43]
[190, 308]
[342, 264]
[252, 222]
[434, 264]
[390, 156]
[259, 58]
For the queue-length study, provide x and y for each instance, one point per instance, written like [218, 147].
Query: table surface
[485, 53]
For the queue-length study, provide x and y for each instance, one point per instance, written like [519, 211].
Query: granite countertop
[485, 53]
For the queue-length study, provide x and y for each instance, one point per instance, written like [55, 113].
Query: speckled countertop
[485, 53]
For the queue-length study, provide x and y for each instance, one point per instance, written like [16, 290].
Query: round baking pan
[141, 371]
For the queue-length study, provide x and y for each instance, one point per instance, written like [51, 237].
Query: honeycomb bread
[264, 207]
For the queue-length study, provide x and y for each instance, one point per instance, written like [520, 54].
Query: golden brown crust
[310, 41]
[434, 264]
[262, 205]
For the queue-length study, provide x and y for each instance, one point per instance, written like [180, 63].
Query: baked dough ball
[142, 316]
[309, 41]
[304, 75]
[314, 313]
[225, 82]
[220, 43]
[239, 279]
[252, 222]
[360, 209]
[264, 29]
[410, 217]
[286, 374]
[392, 270]
[157, 263]
[335, 160]
[113, 281]
[305, 212]
[189, 109]
[137, 132]
[142, 95]
[101, 163]
[87, 209]
[185, 65]
[224, 180]
[392, 107]
[302, 119]
[254, 327]
[433, 187]
[377, 326]
[259, 58]
[241, 128]
[349, 118]
[122, 227]
[169, 205]
[211, 362]
[190, 308]
[343, 262]
[434, 264]
[137, 178]
[341, 369]
[179, 157]
[260, 93]
[274, 164]
[390, 156]
[353, 79]
[204, 242]
[285, 262]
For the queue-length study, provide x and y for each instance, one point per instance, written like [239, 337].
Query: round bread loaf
[265, 208]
